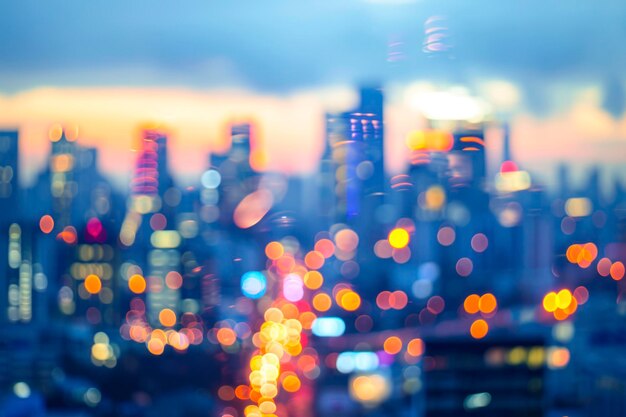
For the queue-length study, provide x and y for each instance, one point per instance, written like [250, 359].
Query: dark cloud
[279, 45]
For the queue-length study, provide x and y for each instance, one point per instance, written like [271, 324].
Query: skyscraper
[238, 177]
[355, 139]
[9, 171]
[150, 224]
[152, 177]
[149, 186]
[62, 169]
[468, 158]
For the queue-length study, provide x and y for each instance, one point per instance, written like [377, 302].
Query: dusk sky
[555, 71]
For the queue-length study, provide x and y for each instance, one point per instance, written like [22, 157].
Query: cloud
[282, 45]
[290, 126]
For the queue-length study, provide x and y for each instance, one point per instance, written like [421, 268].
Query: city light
[398, 238]
[374, 208]
[253, 284]
[328, 327]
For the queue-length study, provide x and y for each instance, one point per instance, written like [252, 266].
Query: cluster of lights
[582, 254]
[396, 246]
[615, 270]
[278, 341]
[393, 345]
[486, 305]
[396, 300]
[139, 330]
[103, 353]
[347, 299]
[533, 357]
[370, 389]
[348, 362]
[281, 358]
[328, 327]
[68, 235]
[157, 339]
[564, 303]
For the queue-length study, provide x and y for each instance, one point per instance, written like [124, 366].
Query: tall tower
[468, 162]
[9, 171]
[149, 226]
[372, 134]
[152, 177]
[355, 140]
[237, 175]
[62, 170]
[240, 144]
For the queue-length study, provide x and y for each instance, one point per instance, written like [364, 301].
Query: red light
[95, 231]
[509, 166]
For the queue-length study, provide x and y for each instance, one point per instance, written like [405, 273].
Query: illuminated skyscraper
[9, 169]
[18, 295]
[355, 140]
[152, 178]
[163, 276]
[150, 186]
[467, 158]
[506, 387]
[240, 144]
[429, 155]
[150, 224]
[237, 176]
[62, 170]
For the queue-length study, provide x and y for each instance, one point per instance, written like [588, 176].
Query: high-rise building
[237, 176]
[9, 190]
[240, 147]
[18, 293]
[62, 173]
[485, 378]
[467, 158]
[152, 177]
[9, 171]
[372, 132]
[149, 188]
[355, 140]
[150, 224]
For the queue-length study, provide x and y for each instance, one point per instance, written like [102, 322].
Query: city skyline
[359, 208]
[194, 67]
[197, 123]
[351, 282]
